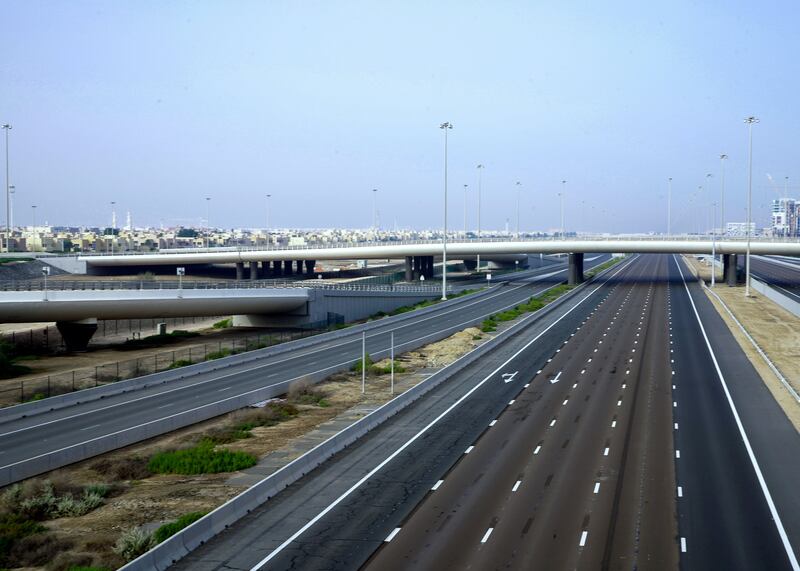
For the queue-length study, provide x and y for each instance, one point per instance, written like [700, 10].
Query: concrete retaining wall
[168, 552]
[775, 295]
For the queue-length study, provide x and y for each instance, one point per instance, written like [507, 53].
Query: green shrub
[169, 529]
[242, 422]
[224, 352]
[132, 543]
[304, 392]
[14, 527]
[200, 459]
[359, 365]
[89, 568]
[224, 324]
[387, 368]
[44, 503]
[489, 325]
[180, 363]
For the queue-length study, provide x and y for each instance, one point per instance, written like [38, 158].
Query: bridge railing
[94, 285]
[454, 239]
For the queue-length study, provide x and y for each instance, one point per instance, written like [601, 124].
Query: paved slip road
[781, 273]
[612, 445]
[30, 438]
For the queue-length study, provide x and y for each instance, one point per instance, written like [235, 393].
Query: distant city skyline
[158, 107]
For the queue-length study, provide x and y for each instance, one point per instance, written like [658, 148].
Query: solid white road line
[426, 428]
[390, 537]
[468, 450]
[516, 486]
[605, 452]
[493, 422]
[597, 487]
[680, 491]
[584, 535]
[487, 534]
[436, 485]
[772, 508]
[683, 545]
[535, 452]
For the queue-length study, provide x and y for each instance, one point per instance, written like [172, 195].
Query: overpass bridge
[419, 255]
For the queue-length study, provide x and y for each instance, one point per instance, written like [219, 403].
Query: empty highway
[624, 431]
[24, 441]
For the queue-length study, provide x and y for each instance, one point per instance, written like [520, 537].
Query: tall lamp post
[480, 168]
[113, 223]
[465, 211]
[722, 158]
[34, 227]
[750, 121]
[561, 194]
[7, 128]
[519, 189]
[669, 206]
[267, 232]
[12, 192]
[713, 242]
[708, 186]
[446, 126]
[208, 224]
[374, 209]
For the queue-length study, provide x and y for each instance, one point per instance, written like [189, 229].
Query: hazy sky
[158, 104]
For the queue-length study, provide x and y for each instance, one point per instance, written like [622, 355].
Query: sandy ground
[161, 498]
[776, 331]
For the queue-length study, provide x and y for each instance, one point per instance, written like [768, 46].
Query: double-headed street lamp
[446, 126]
[750, 121]
[722, 158]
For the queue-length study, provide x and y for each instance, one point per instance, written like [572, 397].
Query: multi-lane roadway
[24, 442]
[626, 430]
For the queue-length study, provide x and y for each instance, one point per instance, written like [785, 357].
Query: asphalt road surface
[39, 435]
[624, 431]
[781, 273]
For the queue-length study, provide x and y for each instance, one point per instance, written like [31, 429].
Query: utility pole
[267, 231]
[669, 206]
[465, 212]
[722, 158]
[7, 128]
[480, 168]
[561, 194]
[519, 187]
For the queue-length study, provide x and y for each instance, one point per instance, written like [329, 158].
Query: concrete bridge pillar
[239, 271]
[287, 267]
[409, 269]
[299, 267]
[254, 270]
[730, 269]
[310, 267]
[277, 268]
[76, 334]
[575, 272]
[428, 265]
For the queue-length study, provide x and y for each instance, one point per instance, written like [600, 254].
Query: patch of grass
[200, 459]
[169, 529]
[243, 422]
[14, 528]
[40, 501]
[387, 368]
[132, 543]
[304, 392]
[36, 396]
[224, 324]
[180, 363]
[489, 325]
[359, 365]
[12, 260]
[477, 337]
[85, 568]
[26, 358]
[420, 305]
[605, 265]
[224, 352]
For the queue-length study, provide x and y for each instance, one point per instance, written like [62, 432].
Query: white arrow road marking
[554, 380]
[508, 377]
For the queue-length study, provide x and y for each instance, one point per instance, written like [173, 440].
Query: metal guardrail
[451, 240]
[82, 285]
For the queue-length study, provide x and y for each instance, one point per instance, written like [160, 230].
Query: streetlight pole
[750, 121]
[518, 185]
[713, 242]
[446, 126]
[480, 168]
[113, 224]
[267, 232]
[34, 227]
[708, 185]
[465, 211]
[375, 209]
[208, 224]
[7, 128]
[669, 206]
[12, 192]
[722, 158]
[561, 194]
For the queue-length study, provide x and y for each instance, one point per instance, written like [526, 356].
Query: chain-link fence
[84, 378]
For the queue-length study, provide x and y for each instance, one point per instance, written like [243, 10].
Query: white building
[784, 217]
